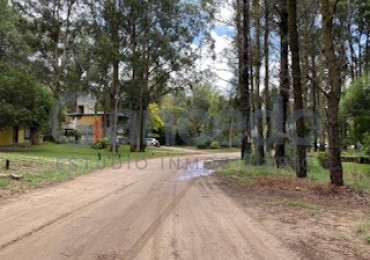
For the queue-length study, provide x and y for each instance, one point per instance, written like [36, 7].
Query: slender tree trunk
[114, 94]
[260, 145]
[280, 158]
[268, 105]
[367, 51]
[245, 91]
[335, 163]
[301, 164]
[314, 100]
[360, 70]
[352, 52]
[321, 100]
[114, 107]
[305, 62]
[135, 130]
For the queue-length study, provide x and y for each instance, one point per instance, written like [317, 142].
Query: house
[12, 135]
[92, 125]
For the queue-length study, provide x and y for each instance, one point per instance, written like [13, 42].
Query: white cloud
[225, 13]
[219, 66]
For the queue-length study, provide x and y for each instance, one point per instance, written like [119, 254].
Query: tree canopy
[355, 105]
[23, 101]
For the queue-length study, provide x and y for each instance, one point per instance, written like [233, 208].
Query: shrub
[101, 143]
[215, 145]
[77, 134]
[202, 142]
[366, 144]
[61, 140]
[323, 158]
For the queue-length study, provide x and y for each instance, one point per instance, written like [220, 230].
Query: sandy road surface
[160, 212]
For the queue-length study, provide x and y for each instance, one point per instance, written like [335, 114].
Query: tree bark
[260, 145]
[280, 158]
[335, 163]
[245, 91]
[268, 106]
[114, 94]
[301, 164]
[314, 100]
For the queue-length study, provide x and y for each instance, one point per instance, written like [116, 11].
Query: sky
[222, 35]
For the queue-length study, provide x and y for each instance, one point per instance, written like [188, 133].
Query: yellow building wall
[6, 136]
[87, 120]
[21, 136]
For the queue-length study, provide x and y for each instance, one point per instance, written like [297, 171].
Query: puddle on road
[197, 169]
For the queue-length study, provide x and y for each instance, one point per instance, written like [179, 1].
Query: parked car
[152, 141]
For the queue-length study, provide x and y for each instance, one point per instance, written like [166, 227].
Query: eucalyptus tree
[257, 64]
[284, 89]
[20, 108]
[14, 33]
[243, 24]
[301, 164]
[53, 24]
[149, 43]
[334, 64]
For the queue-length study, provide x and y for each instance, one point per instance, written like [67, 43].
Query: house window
[15, 135]
[27, 134]
[81, 109]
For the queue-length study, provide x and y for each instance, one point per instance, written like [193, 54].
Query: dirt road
[154, 209]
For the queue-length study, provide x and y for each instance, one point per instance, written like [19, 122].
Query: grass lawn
[356, 175]
[353, 153]
[49, 163]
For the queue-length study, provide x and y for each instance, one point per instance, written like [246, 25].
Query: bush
[101, 143]
[366, 144]
[215, 145]
[77, 134]
[61, 140]
[203, 142]
[323, 158]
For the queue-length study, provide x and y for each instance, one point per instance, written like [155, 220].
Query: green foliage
[215, 145]
[102, 143]
[23, 101]
[355, 105]
[75, 133]
[203, 142]
[13, 35]
[323, 158]
[366, 144]
[61, 140]
[155, 119]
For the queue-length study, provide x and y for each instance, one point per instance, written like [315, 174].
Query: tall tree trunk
[114, 107]
[280, 157]
[360, 60]
[260, 145]
[335, 163]
[245, 91]
[268, 105]
[305, 62]
[301, 164]
[367, 51]
[321, 100]
[114, 95]
[353, 66]
[135, 130]
[314, 100]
